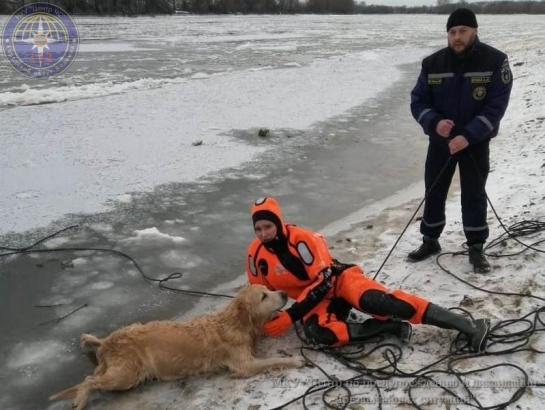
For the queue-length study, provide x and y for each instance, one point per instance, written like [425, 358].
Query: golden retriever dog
[169, 350]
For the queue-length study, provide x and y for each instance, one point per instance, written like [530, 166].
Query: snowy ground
[516, 188]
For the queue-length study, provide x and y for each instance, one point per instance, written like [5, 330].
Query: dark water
[363, 156]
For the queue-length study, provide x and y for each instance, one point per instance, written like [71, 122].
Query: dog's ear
[244, 312]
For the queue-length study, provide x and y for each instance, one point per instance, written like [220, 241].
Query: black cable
[413, 215]
[516, 230]
[502, 340]
[505, 338]
[19, 250]
[512, 232]
[372, 384]
[176, 275]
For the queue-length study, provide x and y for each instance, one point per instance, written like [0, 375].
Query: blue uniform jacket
[473, 92]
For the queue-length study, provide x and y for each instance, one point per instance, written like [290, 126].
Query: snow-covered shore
[516, 188]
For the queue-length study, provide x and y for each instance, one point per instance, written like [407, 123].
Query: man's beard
[462, 52]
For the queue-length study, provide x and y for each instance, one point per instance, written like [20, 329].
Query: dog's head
[260, 304]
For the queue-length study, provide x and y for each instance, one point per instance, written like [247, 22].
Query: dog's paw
[298, 361]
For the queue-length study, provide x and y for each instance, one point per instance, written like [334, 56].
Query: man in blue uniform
[459, 99]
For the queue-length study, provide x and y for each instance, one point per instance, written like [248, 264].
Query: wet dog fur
[170, 350]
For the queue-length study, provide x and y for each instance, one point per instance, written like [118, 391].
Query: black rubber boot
[360, 332]
[475, 330]
[477, 259]
[430, 246]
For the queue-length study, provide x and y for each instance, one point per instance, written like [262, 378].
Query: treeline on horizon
[137, 7]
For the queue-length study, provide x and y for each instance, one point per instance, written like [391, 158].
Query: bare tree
[135, 7]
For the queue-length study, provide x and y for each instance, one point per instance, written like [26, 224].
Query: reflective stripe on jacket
[473, 92]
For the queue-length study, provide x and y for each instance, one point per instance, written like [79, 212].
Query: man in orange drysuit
[296, 260]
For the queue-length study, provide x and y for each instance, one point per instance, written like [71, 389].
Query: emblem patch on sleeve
[479, 93]
[506, 72]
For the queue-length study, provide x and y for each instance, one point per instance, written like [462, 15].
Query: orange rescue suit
[294, 264]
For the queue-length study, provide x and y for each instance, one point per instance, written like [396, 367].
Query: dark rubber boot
[360, 332]
[475, 330]
[429, 247]
[477, 259]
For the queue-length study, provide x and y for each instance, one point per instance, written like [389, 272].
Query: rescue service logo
[40, 40]
[505, 72]
[479, 93]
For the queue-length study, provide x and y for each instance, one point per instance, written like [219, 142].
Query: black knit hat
[267, 215]
[462, 17]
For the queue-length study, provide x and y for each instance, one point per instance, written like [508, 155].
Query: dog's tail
[65, 394]
[90, 340]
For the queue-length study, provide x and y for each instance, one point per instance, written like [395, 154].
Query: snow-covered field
[99, 149]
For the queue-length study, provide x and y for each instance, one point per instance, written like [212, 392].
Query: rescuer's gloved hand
[278, 325]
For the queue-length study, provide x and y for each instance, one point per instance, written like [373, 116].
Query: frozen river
[149, 143]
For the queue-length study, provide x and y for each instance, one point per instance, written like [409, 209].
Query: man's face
[461, 38]
[265, 230]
